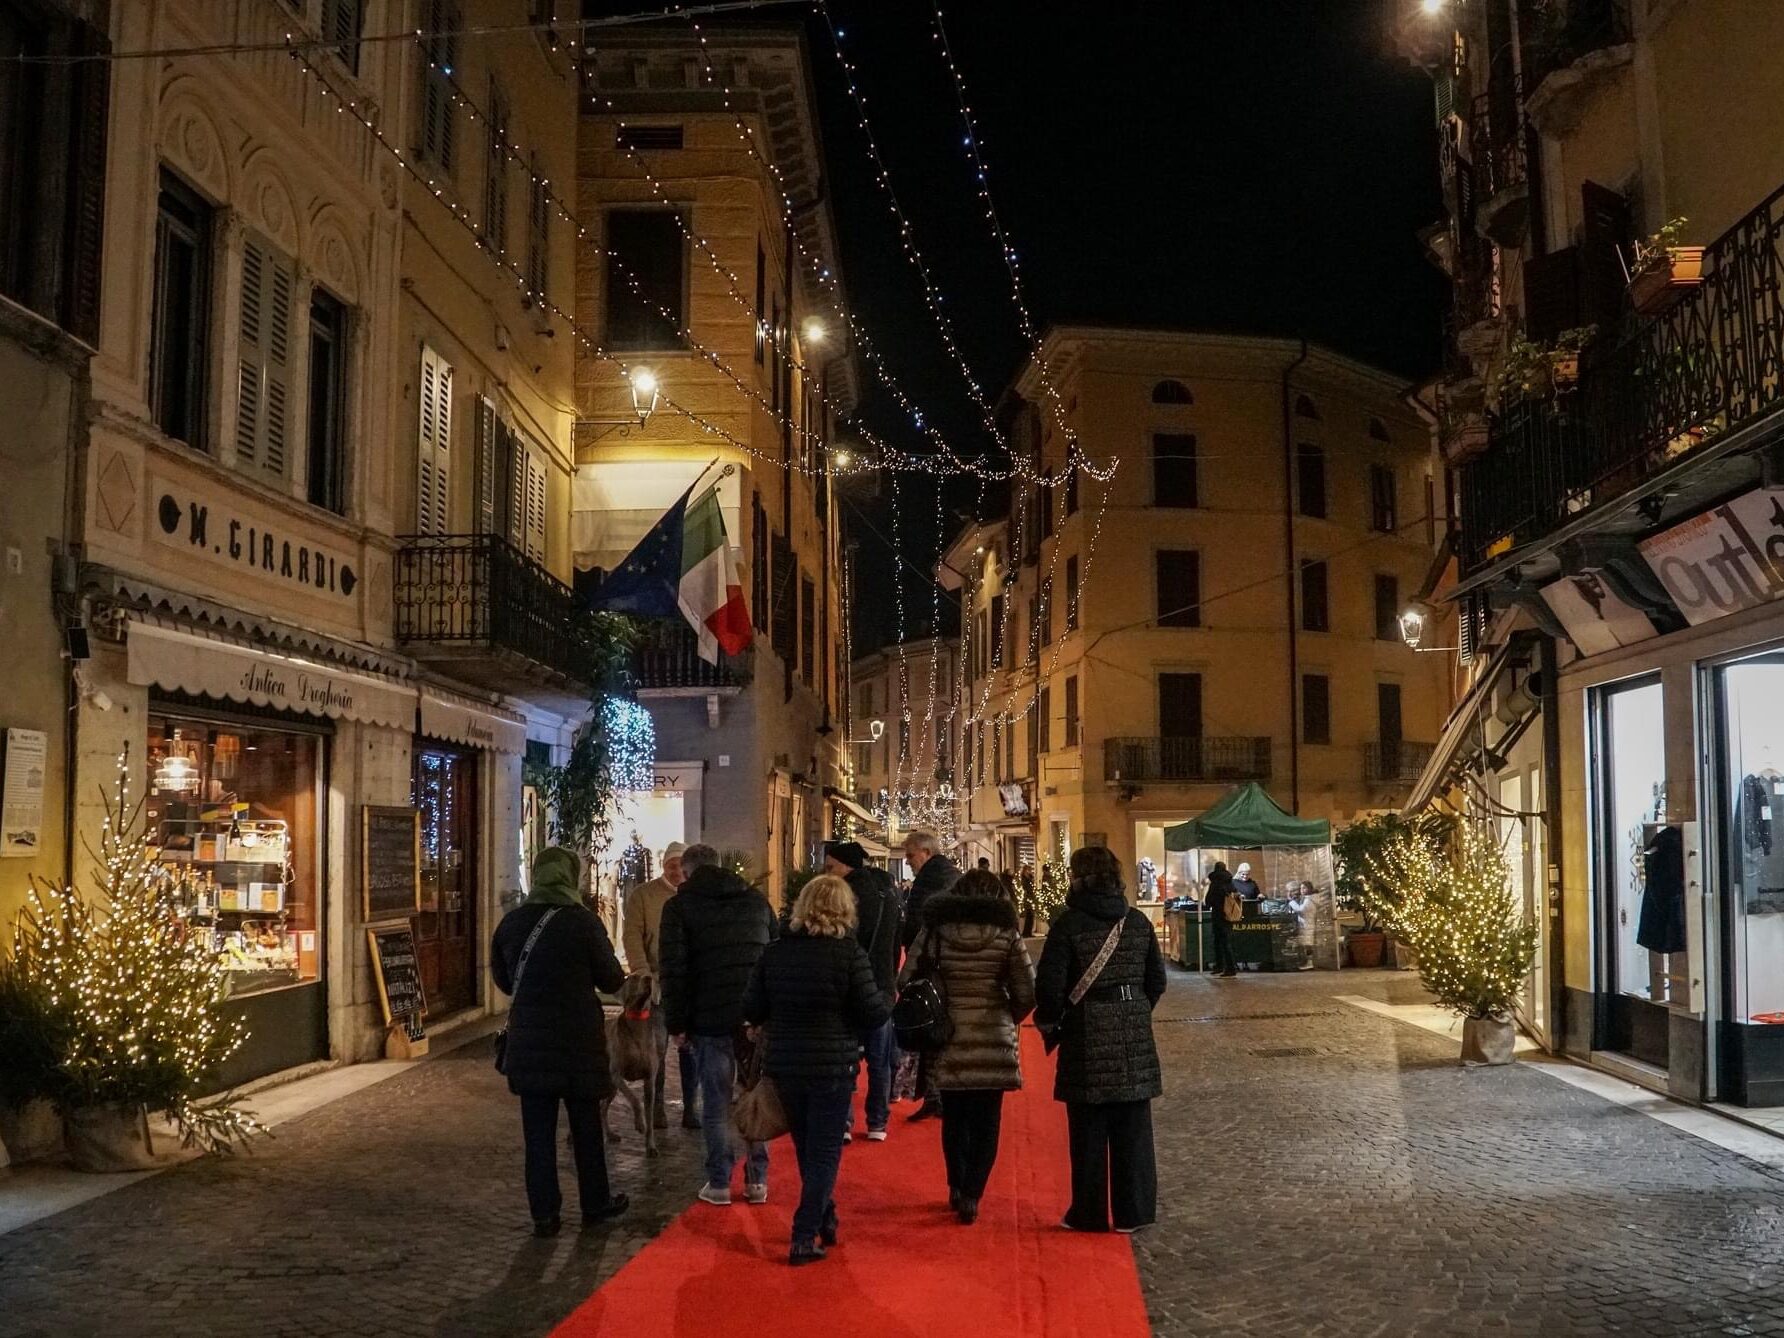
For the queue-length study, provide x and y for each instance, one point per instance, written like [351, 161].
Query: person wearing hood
[1243, 884]
[1108, 1071]
[933, 874]
[1220, 929]
[969, 940]
[877, 931]
[552, 955]
[713, 930]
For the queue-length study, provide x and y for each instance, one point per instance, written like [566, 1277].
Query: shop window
[1631, 800]
[1316, 613]
[234, 811]
[179, 342]
[327, 481]
[1751, 724]
[646, 283]
[1316, 708]
[1174, 481]
[445, 792]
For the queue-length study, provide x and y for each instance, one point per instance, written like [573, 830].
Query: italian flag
[709, 592]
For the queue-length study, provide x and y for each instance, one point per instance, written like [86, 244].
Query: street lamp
[644, 393]
[1412, 631]
[815, 331]
[876, 730]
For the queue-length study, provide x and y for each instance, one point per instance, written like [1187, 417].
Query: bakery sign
[222, 531]
[1728, 558]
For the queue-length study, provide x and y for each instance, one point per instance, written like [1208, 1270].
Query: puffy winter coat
[714, 928]
[938, 875]
[1106, 1050]
[557, 1034]
[876, 914]
[816, 996]
[985, 973]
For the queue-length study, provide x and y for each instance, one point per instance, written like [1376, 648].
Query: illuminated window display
[1632, 800]
[1751, 701]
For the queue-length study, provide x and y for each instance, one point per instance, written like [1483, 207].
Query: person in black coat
[877, 931]
[1219, 928]
[714, 928]
[814, 995]
[934, 874]
[1108, 1071]
[555, 1051]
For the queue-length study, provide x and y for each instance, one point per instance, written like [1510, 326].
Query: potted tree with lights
[1665, 272]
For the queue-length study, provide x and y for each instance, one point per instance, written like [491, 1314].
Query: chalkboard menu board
[390, 862]
[398, 970]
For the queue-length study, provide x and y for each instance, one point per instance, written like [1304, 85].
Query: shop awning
[1461, 737]
[458, 719]
[1246, 818]
[183, 662]
[853, 809]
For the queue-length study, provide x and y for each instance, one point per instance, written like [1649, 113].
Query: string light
[631, 744]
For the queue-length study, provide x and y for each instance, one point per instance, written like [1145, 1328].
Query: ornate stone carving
[191, 142]
[115, 488]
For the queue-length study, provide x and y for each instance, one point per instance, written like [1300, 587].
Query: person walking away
[813, 995]
[643, 943]
[1220, 927]
[877, 931]
[969, 940]
[1028, 901]
[1108, 1071]
[551, 955]
[713, 930]
[933, 874]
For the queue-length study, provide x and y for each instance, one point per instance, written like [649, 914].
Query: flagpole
[726, 472]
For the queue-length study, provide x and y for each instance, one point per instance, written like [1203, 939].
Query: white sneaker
[752, 1194]
[720, 1195]
[876, 1135]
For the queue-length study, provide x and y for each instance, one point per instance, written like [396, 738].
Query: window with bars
[433, 463]
[436, 125]
[179, 338]
[1315, 610]
[1179, 587]
[1174, 480]
[264, 337]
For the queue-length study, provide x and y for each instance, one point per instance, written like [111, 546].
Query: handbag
[757, 1114]
[520, 969]
[1050, 1036]
[1232, 907]
[920, 1013]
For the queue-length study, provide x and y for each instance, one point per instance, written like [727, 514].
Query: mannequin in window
[1661, 927]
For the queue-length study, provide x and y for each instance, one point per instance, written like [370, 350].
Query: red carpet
[905, 1267]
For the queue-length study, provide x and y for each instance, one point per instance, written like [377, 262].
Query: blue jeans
[882, 1063]
[717, 1061]
[816, 1117]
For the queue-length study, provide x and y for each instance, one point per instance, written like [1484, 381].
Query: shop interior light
[176, 774]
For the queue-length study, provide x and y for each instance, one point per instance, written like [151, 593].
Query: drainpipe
[1553, 906]
[1288, 538]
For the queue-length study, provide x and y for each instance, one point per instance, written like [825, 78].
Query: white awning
[447, 716]
[183, 662]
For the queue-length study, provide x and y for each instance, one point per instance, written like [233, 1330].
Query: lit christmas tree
[129, 993]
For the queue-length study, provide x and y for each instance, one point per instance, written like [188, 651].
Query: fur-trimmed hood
[946, 908]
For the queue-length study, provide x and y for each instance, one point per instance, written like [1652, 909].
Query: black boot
[967, 1210]
[805, 1252]
[828, 1231]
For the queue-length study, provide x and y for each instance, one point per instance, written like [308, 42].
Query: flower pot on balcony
[1564, 371]
[1367, 947]
[1488, 1040]
[1662, 285]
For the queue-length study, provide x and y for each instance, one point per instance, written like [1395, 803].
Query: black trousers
[1114, 1174]
[927, 1091]
[538, 1122]
[1223, 948]
[971, 1120]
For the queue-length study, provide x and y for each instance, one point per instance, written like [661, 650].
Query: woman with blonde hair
[814, 997]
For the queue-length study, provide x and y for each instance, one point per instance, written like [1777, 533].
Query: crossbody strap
[526, 949]
[1095, 969]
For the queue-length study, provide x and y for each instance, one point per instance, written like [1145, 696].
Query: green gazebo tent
[1246, 818]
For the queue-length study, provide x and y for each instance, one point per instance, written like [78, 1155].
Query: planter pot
[1366, 948]
[109, 1138]
[1405, 957]
[1487, 1040]
[30, 1132]
[1564, 372]
[1658, 290]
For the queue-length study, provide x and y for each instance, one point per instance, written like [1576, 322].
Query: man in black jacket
[934, 874]
[713, 931]
[876, 914]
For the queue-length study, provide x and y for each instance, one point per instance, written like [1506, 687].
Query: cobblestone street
[1323, 1170]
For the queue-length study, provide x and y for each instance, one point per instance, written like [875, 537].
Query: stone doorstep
[33, 1191]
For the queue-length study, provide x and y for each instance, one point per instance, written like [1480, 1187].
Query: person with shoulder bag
[810, 999]
[1225, 908]
[1100, 976]
[970, 946]
[552, 956]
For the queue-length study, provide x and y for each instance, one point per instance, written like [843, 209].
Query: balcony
[1139, 761]
[666, 661]
[1567, 49]
[1498, 141]
[1395, 763]
[1683, 384]
[484, 612]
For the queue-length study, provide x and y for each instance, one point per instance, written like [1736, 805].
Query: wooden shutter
[263, 402]
[86, 199]
[495, 180]
[487, 467]
[433, 465]
[1552, 294]
[514, 468]
[536, 488]
[340, 24]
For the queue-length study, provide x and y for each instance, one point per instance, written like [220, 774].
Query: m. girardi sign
[1728, 558]
[224, 532]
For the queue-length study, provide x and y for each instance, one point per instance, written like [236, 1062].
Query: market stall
[1293, 922]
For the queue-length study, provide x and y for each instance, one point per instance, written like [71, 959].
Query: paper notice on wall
[21, 800]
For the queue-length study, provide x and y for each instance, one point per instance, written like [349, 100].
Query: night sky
[1259, 166]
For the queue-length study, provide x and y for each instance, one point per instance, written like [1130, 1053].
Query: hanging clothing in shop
[1661, 927]
[1762, 854]
[1755, 808]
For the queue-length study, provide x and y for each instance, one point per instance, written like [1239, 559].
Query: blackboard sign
[390, 862]
[398, 971]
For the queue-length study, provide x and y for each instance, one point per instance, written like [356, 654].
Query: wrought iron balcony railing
[668, 656]
[1712, 364]
[470, 592]
[1396, 763]
[1134, 761]
[1499, 149]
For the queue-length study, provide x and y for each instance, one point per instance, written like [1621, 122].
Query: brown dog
[633, 1056]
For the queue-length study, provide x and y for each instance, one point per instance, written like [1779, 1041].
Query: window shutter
[1552, 293]
[250, 353]
[535, 499]
[514, 456]
[495, 183]
[281, 291]
[86, 208]
[433, 473]
[263, 409]
[487, 474]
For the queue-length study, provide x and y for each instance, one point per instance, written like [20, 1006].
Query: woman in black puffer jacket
[814, 996]
[1108, 1069]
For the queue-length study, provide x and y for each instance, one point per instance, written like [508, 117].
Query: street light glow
[1431, 6]
[815, 332]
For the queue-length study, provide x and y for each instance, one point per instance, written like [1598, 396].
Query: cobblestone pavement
[1372, 1186]
[1323, 1170]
